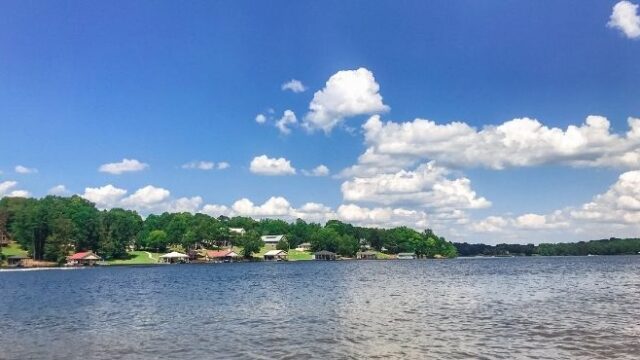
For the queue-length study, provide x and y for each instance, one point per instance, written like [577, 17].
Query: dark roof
[17, 257]
[324, 252]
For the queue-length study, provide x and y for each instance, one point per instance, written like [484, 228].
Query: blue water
[565, 307]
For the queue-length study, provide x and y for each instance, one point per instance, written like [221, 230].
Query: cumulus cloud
[126, 165]
[261, 118]
[347, 93]
[20, 169]
[264, 165]
[515, 143]
[104, 197]
[199, 165]
[7, 190]
[320, 170]
[294, 85]
[288, 119]
[146, 197]
[426, 186]
[626, 19]
[223, 165]
[58, 190]
[383, 217]
[276, 206]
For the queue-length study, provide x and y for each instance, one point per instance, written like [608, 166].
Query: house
[366, 255]
[276, 255]
[406, 256]
[174, 258]
[86, 258]
[221, 255]
[304, 247]
[16, 260]
[272, 239]
[324, 255]
[237, 231]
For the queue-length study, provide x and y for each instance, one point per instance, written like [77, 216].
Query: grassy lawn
[13, 249]
[299, 255]
[136, 258]
[293, 254]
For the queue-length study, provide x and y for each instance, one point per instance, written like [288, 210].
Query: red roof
[80, 255]
[218, 253]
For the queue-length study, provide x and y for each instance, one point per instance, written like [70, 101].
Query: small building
[17, 260]
[4, 238]
[324, 255]
[221, 255]
[304, 247]
[272, 239]
[237, 231]
[366, 255]
[174, 258]
[86, 258]
[276, 255]
[406, 256]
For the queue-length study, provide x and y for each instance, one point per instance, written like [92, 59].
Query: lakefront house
[272, 239]
[86, 258]
[276, 255]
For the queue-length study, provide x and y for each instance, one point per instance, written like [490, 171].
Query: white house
[238, 231]
[272, 239]
[276, 255]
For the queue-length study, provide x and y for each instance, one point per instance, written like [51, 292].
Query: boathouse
[86, 258]
[324, 255]
[276, 255]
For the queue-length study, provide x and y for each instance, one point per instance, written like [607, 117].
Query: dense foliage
[53, 227]
[611, 246]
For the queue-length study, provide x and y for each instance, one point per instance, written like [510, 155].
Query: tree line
[612, 246]
[52, 227]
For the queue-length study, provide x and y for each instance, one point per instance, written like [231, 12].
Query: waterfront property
[221, 255]
[17, 260]
[366, 255]
[304, 247]
[406, 256]
[324, 255]
[276, 255]
[86, 258]
[174, 257]
[272, 239]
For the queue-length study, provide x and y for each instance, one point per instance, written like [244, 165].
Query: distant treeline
[612, 246]
[53, 227]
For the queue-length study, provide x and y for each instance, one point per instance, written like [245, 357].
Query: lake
[560, 307]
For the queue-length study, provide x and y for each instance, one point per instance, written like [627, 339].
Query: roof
[18, 257]
[324, 252]
[272, 238]
[221, 253]
[275, 253]
[406, 254]
[237, 230]
[86, 255]
[174, 254]
[367, 253]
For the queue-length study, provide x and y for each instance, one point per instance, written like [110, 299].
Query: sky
[493, 121]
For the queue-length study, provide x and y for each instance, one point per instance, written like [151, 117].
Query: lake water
[565, 307]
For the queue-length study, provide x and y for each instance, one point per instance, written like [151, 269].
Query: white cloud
[126, 165]
[294, 85]
[58, 190]
[383, 217]
[7, 189]
[626, 19]
[264, 165]
[320, 170]
[347, 93]
[146, 197]
[183, 204]
[199, 165]
[426, 186]
[276, 206]
[104, 197]
[223, 165]
[261, 119]
[287, 119]
[215, 210]
[25, 170]
[314, 212]
[515, 143]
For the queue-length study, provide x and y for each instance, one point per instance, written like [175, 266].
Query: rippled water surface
[582, 307]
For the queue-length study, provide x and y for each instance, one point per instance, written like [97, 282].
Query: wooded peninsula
[52, 228]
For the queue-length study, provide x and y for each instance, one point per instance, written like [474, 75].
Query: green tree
[251, 243]
[157, 240]
[283, 244]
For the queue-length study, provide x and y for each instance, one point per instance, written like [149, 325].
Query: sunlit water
[582, 307]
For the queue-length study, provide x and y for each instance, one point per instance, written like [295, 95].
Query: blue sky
[166, 83]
